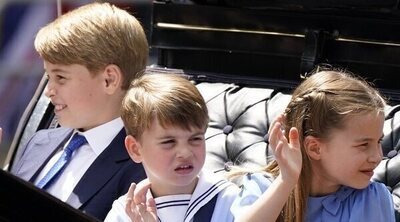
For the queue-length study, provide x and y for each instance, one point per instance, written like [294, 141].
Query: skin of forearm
[269, 205]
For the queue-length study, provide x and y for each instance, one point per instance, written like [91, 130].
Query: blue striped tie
[76, 142]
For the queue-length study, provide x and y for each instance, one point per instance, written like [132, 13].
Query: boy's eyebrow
[171, 137]
[368, 139]
[164, 137]
[56, 70]
[199, 133]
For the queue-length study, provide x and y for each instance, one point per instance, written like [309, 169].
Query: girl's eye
[362, 145]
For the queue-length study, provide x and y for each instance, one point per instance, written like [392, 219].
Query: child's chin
[362, 185]
[68, 124]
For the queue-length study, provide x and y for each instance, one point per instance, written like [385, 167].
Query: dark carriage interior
[246, 57]
[279, 42]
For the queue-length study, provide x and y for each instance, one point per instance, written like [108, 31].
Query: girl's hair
[96, 35]
[170, 98]
[318, 105]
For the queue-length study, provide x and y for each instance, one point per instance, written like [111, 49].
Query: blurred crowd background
[20, 67]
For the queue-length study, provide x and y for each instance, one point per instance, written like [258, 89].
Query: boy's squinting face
[351, 154]
[78, 97]
[172, 158]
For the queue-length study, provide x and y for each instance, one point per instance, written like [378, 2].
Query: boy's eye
[59, 77]
[167, 141]
[363, 145]
[167, 144]
[197, 139]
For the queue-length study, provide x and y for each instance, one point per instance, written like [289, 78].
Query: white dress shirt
[98, 139]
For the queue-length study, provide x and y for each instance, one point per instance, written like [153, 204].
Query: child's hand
[137, 207]
[287, 153]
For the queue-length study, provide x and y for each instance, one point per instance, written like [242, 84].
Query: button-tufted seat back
[239, 121]
[388, 170]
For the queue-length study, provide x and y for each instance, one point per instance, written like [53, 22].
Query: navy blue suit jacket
[108, 178]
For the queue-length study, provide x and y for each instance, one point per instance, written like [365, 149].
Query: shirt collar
[332, 202]
[101, 136]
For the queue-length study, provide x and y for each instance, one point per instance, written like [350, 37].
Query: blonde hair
[96, 35]
[170, 98]
[320, 104]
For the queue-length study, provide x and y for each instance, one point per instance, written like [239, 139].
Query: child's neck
[320, 187]
[161, 189]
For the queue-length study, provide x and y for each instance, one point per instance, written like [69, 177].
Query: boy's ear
[112, 78]
[133, 148]
[312, 147]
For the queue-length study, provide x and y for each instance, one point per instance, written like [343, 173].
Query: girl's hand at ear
[287, 152]
[138, 207]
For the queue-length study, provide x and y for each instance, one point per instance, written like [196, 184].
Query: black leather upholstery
[239, 120]
[388, 170]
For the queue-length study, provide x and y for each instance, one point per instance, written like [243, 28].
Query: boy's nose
[49, 91]
[184, 153]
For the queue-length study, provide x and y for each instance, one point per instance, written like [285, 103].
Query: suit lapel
[37, 154]
[102, 169]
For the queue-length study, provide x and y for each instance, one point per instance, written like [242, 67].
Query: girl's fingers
[294, 138]
[274, 135]
[276, 120]
[278, 151]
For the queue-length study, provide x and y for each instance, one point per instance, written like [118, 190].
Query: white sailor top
[210, 201]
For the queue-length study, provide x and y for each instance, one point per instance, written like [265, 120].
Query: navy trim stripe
[173, 201]
[203, 196]
[172, 205]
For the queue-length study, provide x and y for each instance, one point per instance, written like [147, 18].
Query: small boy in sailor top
[165, 118]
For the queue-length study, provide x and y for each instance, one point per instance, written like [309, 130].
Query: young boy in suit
[166, 118]
[91, 54]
